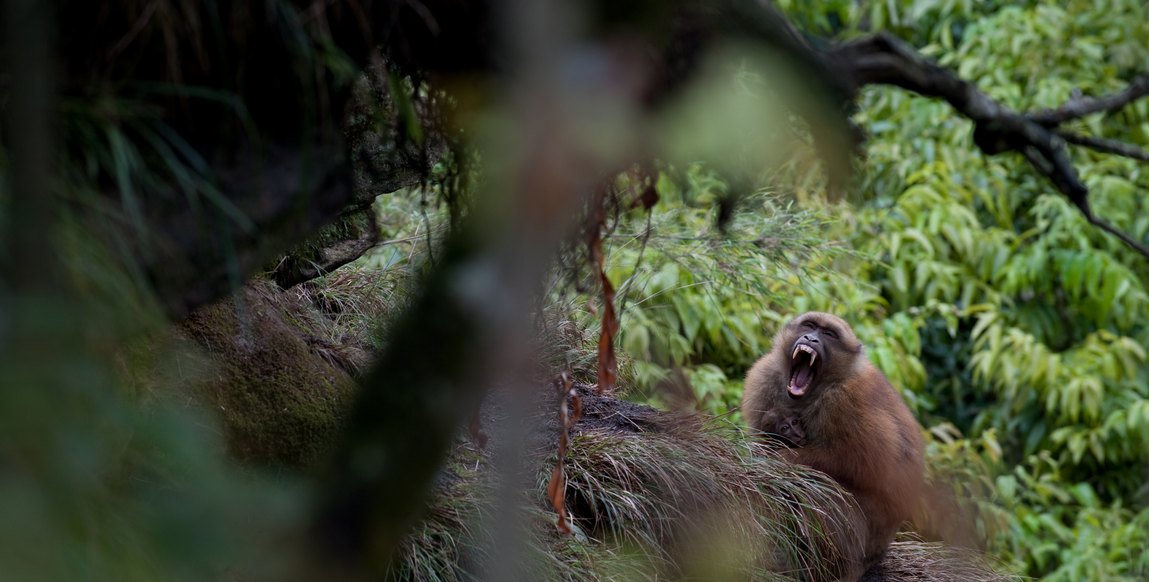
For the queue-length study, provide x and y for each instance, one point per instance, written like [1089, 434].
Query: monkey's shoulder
[868, 412]
[903, 438]
[874, 391]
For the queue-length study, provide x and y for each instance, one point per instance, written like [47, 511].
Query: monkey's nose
[810, 338]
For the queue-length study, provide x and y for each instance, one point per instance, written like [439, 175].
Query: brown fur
[854, 425]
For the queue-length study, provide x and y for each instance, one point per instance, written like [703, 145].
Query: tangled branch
[882, 59]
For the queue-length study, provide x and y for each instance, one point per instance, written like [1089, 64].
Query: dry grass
[683, 495]
[440, 547]
[654, 495]
[913, 560]
[355, 303]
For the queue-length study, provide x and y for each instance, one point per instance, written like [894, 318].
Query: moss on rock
[279, 390]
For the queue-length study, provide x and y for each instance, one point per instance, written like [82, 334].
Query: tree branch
[1078, 108]
[338, 243]
[882, 59]
[1104, 145]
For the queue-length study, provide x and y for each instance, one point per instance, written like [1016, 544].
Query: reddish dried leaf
[649, 197]
[576, 408]
[568, 415]
[607, 363]
[475, 428]
[647, 178]
[556, 491]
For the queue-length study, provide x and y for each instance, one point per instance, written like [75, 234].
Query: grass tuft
[687, 493]
[913, 560]
[658, 495]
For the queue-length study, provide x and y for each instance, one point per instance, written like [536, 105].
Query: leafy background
[1014, 329]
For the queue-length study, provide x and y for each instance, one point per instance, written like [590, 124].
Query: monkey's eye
[809, 325]
[831, 333]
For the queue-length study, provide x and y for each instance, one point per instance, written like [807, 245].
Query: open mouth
[802, 363]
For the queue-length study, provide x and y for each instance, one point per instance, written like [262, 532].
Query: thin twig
[427, 223]
[1125, 238]
[1043, 166]
[1078, 108]
[412, 238]
[1105, 145]
[137, 27]
[637, 263]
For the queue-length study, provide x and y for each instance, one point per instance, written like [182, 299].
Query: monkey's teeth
[813, 358]
[804, 348]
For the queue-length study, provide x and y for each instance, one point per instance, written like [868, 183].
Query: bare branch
[1104, 145]
[884, 59]
[1078, 108]
[1125, 238]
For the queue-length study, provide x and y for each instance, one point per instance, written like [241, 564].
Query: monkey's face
[822, 348]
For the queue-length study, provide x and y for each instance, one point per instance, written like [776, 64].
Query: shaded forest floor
[647, 493]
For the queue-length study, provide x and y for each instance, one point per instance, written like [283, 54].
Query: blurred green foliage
[1016, 331]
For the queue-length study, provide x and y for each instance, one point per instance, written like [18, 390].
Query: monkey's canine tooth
[813, 357]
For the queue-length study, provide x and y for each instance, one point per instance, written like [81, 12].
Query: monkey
[817, 385]
[786, 426]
